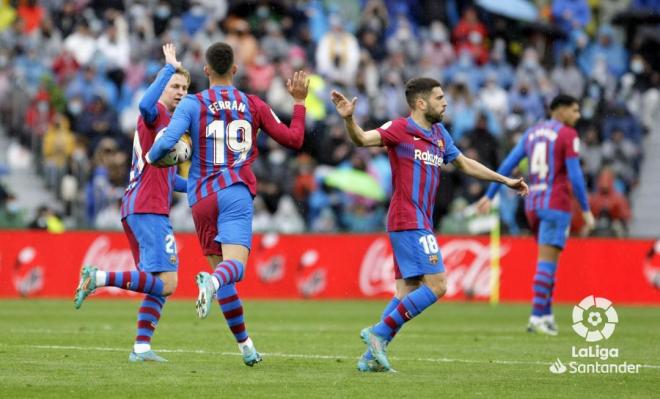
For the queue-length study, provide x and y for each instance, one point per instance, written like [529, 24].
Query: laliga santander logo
[467, 263]
[594, 319]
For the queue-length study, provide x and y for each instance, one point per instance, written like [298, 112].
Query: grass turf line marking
[299, 356]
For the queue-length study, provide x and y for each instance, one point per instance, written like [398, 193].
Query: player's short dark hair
[416, 87]
[562, 100]
[220, 57]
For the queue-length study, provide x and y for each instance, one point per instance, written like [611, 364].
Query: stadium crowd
[73, 71]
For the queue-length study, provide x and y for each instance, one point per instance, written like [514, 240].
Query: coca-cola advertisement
[340, 266]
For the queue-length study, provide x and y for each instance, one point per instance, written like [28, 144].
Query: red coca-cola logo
[652, 265]
[101, 255]
[312, 277]
[28, 277]
[467, 263]
[377, 269]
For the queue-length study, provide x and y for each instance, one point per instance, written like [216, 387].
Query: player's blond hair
[183, 71]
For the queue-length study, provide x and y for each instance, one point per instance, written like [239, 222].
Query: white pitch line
[302, 356]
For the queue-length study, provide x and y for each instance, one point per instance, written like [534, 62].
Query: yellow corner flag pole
[495, 257]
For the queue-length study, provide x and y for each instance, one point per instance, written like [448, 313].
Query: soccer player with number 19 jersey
[553, 148]
[223, 123]
[417, 146]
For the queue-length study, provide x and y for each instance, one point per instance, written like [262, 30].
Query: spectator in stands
[11, 214]
[471, 35]
[525, 98]
[81, 43]
[59, 143]
[32, 13]
[623, 157]
[47, 219]
[609, 48]
[618, 117]
[338, 54]
[571, 15]
[438, 47]
[567, 77]
[610, 208]
[499, 66]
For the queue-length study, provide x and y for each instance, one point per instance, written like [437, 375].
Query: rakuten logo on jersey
[428, 158]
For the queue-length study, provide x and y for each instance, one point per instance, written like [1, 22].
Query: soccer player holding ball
[145, 213]
[417, 146]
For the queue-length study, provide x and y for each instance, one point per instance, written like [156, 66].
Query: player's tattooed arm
[345, 109]
[475, 169]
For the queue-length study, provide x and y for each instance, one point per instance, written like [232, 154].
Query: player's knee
[170, 282]
[438, 286]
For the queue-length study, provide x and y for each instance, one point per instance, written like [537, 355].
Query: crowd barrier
[342, 266]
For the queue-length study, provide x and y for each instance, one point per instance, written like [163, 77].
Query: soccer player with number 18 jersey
[417, 146]
[553, 148]
[223, 123]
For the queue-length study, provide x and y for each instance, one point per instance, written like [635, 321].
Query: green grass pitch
[50, 350]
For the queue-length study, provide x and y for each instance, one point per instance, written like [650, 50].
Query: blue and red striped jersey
[415, 155]
[553, 150]
[548, 144]
[223, 123]
[150, 188]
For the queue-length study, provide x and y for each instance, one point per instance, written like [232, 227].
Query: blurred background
[72, 73]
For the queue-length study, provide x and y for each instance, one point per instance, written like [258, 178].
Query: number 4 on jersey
[236, 137]
[539, 163]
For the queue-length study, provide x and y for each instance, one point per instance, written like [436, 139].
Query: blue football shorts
[152, 242]
[224, 217]
[416, 253]
[550, 226]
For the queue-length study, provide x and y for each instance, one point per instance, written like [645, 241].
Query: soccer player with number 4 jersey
[417, 146]
[553, 148]
[144, 211]
[223, 123]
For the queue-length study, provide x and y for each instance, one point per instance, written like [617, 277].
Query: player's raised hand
[298, 86]
[344, 107]
[483, 205]
[170, 55]
[519, 185]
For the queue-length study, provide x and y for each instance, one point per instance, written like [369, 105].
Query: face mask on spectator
[75, 107]
[197, 11]
[163, 11]
[475, 38]
[637, 66]
[13, 207]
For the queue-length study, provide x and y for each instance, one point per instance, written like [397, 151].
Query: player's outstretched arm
[475, 169]
[579, 190]
[510, 162]
[147, 104]
[345, 109]
[291, 136]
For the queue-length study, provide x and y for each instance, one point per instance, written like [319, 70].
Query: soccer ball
[181, 152]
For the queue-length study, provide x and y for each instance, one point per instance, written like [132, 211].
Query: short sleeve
[570, 142]
[390, 132]
[451, 151]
